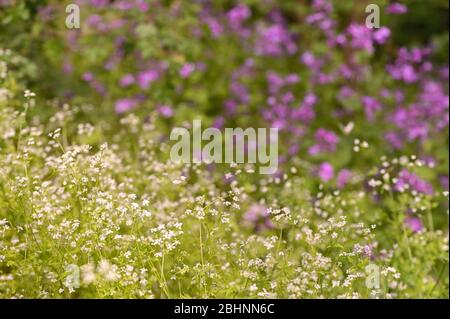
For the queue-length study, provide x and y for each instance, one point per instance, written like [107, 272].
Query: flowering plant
[92, 206]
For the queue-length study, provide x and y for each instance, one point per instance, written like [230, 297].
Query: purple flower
[361, 37]
[396, 8]
[99, 87]
[399, 96]
[186, 70]
[240, 92]
[230, 106]
[343, 177]
[310, 61]
[94, 20]
[275, 82]
[126, 80]
[408, 74]
[410, 65]
[292, 78]
[368, 251]
[426, 115]
[305, 112]
[67, 67]
[406, 178]
[444, 72]
[310, 99]
[214, 26]
[325, 172]
[46, 12]
[146, 78]
[381, 35]
[288, 98]
[324, 5]
[165, 111]
[326, 141]
[444, 181]
[88, 76]
[238, 15]
[99, 3]
[116, 24]
[218, 122]
[315, 17]
[124, 5]
[275, 41]
[279, 124]
[293, 149]
[126, 104]
[258, 217]
[345, 92]
[414, 223]
[371, 106]
[394, 139]
[142, 5]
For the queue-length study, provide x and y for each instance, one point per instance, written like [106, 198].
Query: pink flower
[275, 40]
[142, 5]
[187, 69]
[88, 76]
[371, 106]
[258, 217]
[214, 26]
[394, 139]
[230, 106]
[93, 20]
[325, 172]
[309, 60]
[147, 77]
[304, 113]
[126, 80]
[346, 92]
[381, 35]
[124, 105]
[414, 182]
[326, 141]
[396, 8]
[275, 81]
[343, 178]
[408, 74]
[218, 122]
[165, 111]
[414, 223]
[361, 37]
[237, 15]
[67, 67]
[99, 3]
